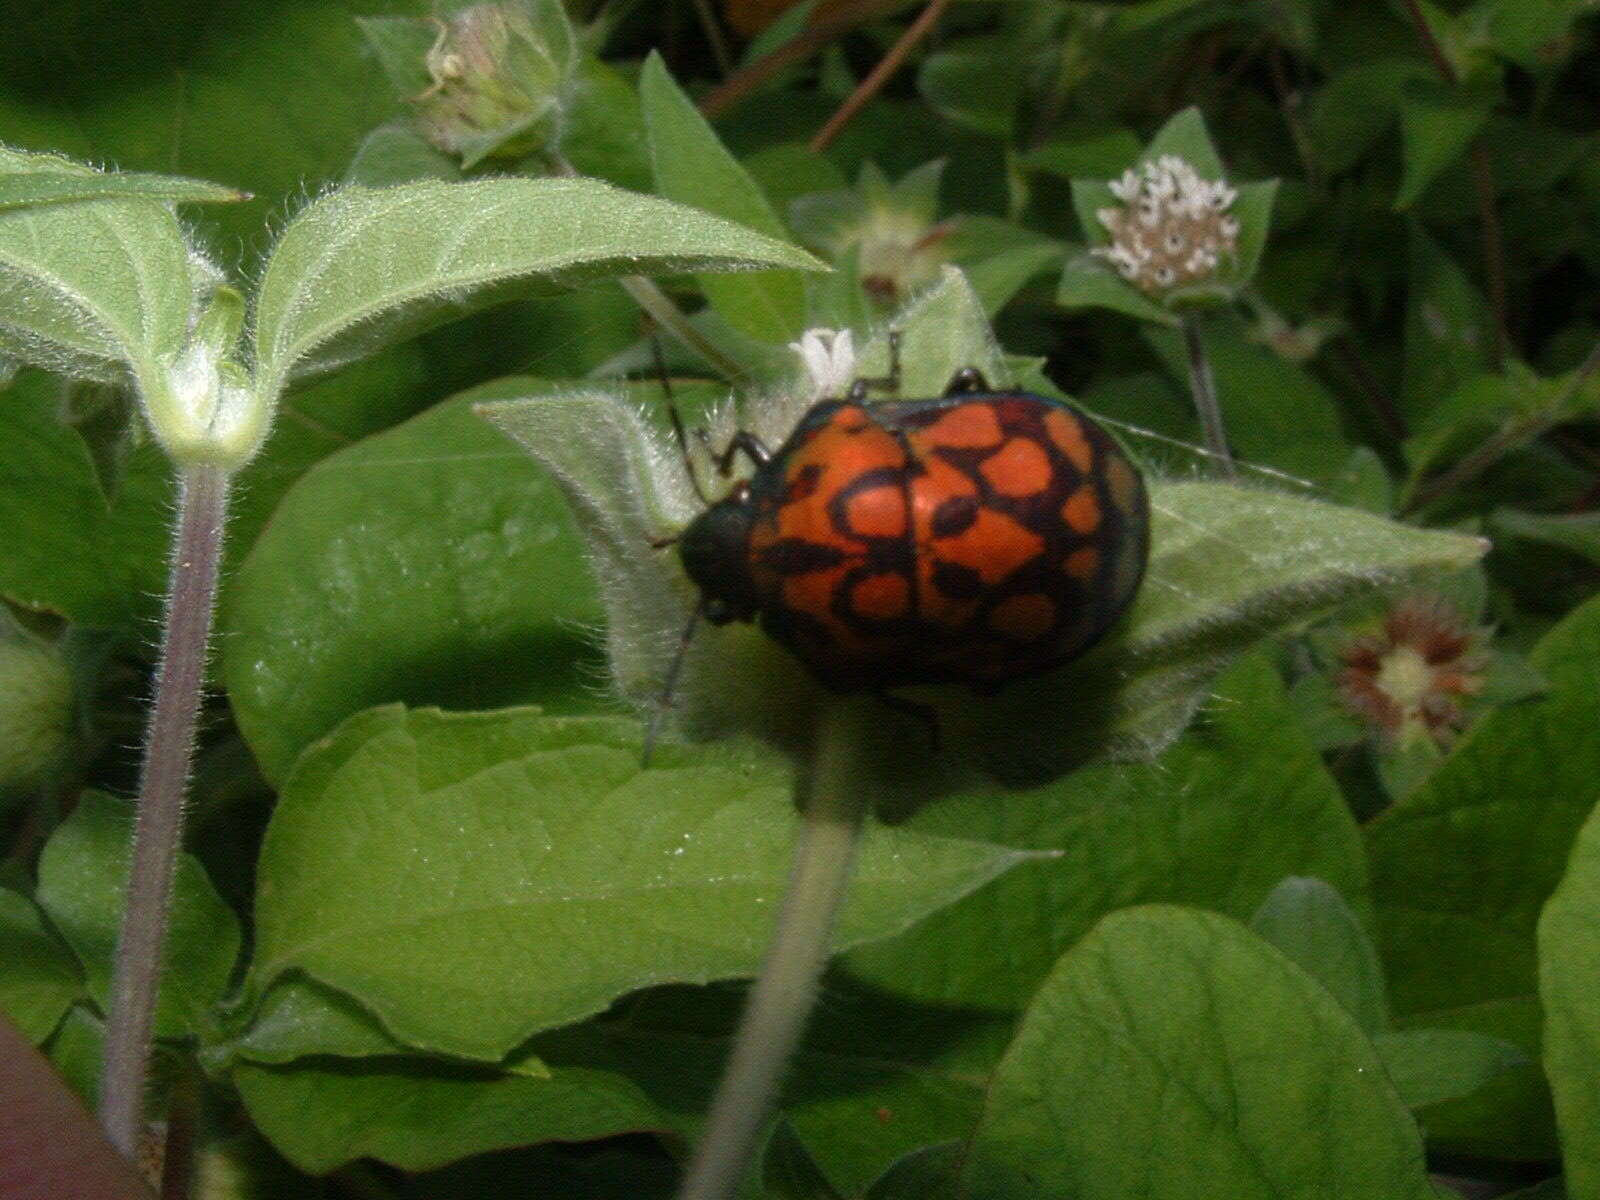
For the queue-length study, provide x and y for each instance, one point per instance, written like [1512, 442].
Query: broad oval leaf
[1569, 965]
[1218, 819]
[94, 287]
[362, 266]
[473, 878]
[1172, 1054]
[418, 1114]
[431, 563]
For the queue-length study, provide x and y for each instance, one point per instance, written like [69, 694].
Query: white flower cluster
[1173, 228]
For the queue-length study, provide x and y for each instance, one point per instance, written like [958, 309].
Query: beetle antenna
[675, 417]
[652, 726]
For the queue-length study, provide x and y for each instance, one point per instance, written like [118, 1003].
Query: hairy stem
[781, 1000]
[158, 828]
[1204, 386]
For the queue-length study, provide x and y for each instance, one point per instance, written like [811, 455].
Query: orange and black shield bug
[974, 538]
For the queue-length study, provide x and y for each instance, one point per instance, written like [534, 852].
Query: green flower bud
[500, 77]
[35, 710]
[202, 407]
[900, 248]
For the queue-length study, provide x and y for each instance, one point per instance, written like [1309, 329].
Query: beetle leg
[752, 447]
[965, 382]
[882, 383]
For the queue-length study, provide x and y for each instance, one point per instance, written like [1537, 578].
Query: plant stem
[879, 75]
[1204, 386]
[796, 50]
[780, 1002]
[719, 44]
[158, 828]
[1508, 437]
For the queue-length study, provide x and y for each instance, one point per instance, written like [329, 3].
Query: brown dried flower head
[1173, 229]
[1408, 679]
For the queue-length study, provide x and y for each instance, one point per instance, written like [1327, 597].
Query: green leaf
[541, 835]
[1171, 1053]
[1277, 413]
[873, 1080]
[95, 287]
[693, 167]
[363, 267]
[417, 1114]
[300, 1018]
[1447, 330]
[788, 1172]
[62, 187]
[1310, 924]
[398, 154]
[39, 977]
[1437, 124]
[1000, 276]
[1185, 135]
[1089, 282]
[930, 1173]
[1577, 532]
[1463, 864]
[975, 84]
[1356, 107]
[1428, 1066]
[1227, 566]
[67, 548]
[1461, 868]
[1224, 814]
[430, 563]
[1569, 957]
[1098, 154]
[77, 1052]
[82, 874]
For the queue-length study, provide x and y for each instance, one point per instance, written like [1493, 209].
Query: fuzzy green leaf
[693, 167]
[1577, 532]
[39, 977]
[455, 874]
[82, 875]
[365, 267]
[63, 187]
[91, 288]
[1172, 1053]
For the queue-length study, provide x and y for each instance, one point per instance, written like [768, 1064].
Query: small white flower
[1172, 229]
[829, 359]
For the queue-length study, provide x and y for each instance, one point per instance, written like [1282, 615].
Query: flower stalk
[1204, 387]
[158, 827]
[781, 1001]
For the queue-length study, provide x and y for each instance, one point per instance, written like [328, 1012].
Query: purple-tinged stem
[158, 827]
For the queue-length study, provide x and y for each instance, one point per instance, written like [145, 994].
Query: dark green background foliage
[432, 941]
